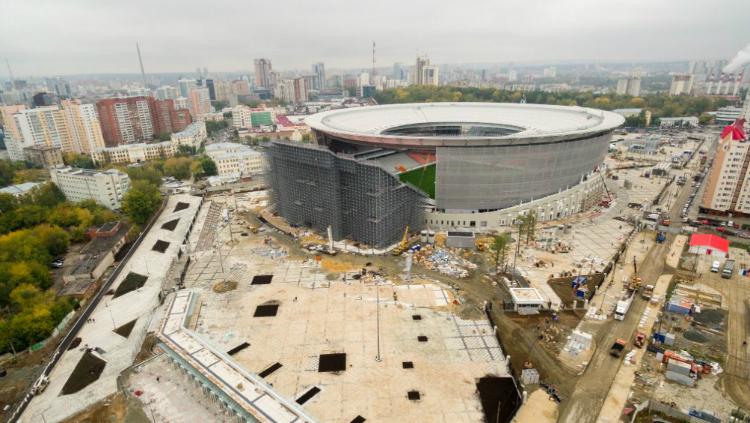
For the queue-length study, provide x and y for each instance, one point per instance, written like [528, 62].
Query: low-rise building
[45, 156]
[20, 189]
[135, 153]
[236, 160]
[194, 135]
[105, 187]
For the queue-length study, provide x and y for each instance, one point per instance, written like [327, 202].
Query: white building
[135, 153]
[430, 75]
[167, 92]
[105, 187]
[236, 160]
[193, 135]
[682, 84]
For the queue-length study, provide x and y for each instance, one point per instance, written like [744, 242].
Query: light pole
[518, 246]
[377, 313]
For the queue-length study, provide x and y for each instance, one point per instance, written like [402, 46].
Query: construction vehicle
[403, 245]
[647, 292]
[633, 284]
[660, 237]
[622, 307]
[617, 348]
[640, 339]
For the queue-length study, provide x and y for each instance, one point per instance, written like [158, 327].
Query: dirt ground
[22, 371]
[115, 409]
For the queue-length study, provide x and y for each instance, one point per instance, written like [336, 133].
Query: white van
[715, 266]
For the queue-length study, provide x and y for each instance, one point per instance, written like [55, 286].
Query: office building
[44, 156]
[319, 71]
[682, 84]
[264, 77]
[236, 160]
[430, 75]
[419, 70]
[728, 183]
[200, 102]
[105, 187]
[210, 85]
[185, 85]
[244, 117]
[167, 92]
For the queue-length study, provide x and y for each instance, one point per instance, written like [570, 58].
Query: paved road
[591, 389]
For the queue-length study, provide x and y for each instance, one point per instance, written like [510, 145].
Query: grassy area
[422, 178]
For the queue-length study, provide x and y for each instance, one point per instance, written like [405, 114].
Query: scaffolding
[316, 188]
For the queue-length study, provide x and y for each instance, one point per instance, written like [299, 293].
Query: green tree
[165, 136]
[54, 239]
[208, 166]
[78, 160]
[47, 195]
[178, 167]
[499, 247]
[149, 173]
[141, 201]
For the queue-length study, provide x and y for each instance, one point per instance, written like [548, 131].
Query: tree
[531, 221]
[213, 126]
[141, 201]
[149, 173]
[47, 195]
[499, 246]
[78, 160]
[178, 167]
[185, 150]
[54, 239]
[165, 136]
[705, 119]
[220, 105]
[208, 166]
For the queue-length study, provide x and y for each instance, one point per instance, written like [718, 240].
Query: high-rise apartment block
[185, 85]
[106, 188]
[200, 102]
[138, 119]
[84, 126]
[430, 75]
[264, 77]
[728, 183]
[319, 71]
[419, 70]
[682, 84]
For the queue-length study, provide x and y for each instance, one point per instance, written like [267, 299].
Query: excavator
[403, 245]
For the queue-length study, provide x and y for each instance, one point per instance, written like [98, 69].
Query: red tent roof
[736, 130]
[708, 240]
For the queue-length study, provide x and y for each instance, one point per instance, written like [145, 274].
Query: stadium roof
[411, 124]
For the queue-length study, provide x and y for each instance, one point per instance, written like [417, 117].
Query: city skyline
[89, 43]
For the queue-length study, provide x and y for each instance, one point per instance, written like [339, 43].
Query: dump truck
[617, 348]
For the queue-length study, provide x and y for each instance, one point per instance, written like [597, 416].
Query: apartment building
[105, 187]
[194, 135]
[728, 183]
[44, 156]
[236, 160]
[84, 127]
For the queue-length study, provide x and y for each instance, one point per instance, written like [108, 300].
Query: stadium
[385, 167]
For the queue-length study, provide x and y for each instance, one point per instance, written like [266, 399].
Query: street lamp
[518, 245]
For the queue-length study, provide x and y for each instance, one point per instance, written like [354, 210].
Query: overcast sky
[58, 37]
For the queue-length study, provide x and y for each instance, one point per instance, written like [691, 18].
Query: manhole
[422, 338]
[413, 395]
[416, 317]
[407, 365]
[332, 362]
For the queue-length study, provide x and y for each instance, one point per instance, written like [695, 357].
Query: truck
[617, 348]
[622, 307]
[660, 237]
[728, 269]
[647, 292]
[640, 339]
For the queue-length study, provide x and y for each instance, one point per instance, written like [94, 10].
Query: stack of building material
[578, 341]
[680, 305]
[679, 372]
[530, 376]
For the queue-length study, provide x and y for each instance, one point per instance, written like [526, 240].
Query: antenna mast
[372, 74]
[10, 72]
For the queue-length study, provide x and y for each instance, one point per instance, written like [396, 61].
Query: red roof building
[709, 244]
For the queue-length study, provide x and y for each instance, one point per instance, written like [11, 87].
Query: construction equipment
[647, 292]
[403, 245]
[617, 348]
[639, 340]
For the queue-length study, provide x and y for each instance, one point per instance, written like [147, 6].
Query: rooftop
[20, 189]
[475, 121]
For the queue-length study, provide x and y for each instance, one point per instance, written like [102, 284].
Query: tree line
[660, 105]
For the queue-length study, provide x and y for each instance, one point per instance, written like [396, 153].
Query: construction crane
[401, 247]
